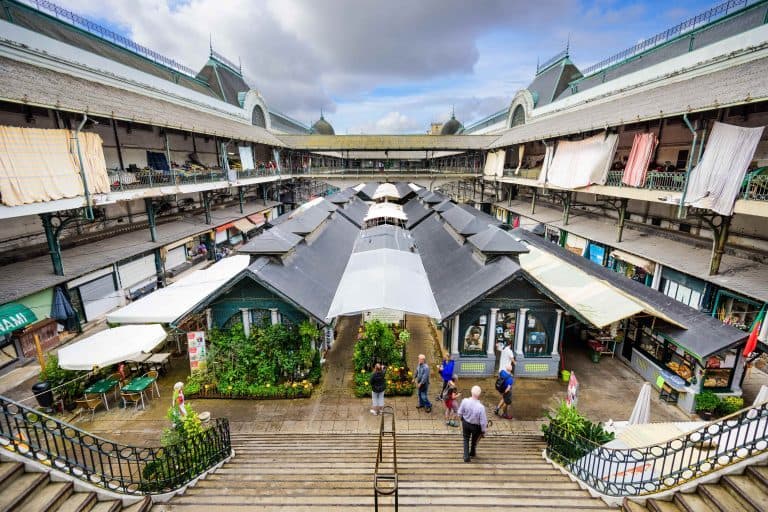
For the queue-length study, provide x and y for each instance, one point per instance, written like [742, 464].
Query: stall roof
[170, 304]
[463, 221]
[445, 205]
[386, 190]
[355, 210]
[385, 211]
[111, 346]
[497, 241]
[307, 221]
[416, 212]
[702, 334]
[271, 241]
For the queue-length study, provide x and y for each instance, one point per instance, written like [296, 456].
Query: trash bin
[43, 393]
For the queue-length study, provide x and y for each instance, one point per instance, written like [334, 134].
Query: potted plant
[706, 404]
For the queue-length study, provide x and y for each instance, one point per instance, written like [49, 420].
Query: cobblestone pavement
[608, 390]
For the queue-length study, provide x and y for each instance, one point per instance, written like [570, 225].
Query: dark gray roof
[403, 189]
[304, 223]
[456, 277]
[552, 81]
[415, 211]
[434, 198]
[384, 236]
[368, 190]
[271, 241]
[496, 241]
[705, 335]
[309, 277]
[463, 221]
[445, 205]
[423, 192]
[355, 210]
[342, 196]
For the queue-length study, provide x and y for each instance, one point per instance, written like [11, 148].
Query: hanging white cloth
[641, 414]
[246, 157]
[549, 153]
[490, 164]
[716, 180]
[520, 154]
[581, 163]
[501, 158]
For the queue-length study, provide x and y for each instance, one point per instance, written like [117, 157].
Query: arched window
[518, 116]
[258, 117]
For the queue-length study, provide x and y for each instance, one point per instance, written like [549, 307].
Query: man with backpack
[504, 384]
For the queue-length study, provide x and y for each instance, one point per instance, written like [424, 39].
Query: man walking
[446, 372]
[473, 422]
[422, 383]
[504, 387]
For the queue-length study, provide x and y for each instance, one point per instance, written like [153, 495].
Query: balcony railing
[384, 172]
[658, 467]
[755, 188]
[113, 466]
[123, 180]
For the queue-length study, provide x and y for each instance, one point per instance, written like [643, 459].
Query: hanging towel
[581, 163]
[549, 152]
[639, 159]
[716, 180]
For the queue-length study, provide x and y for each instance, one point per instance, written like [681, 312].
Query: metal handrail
[119, 468]
[662, 466]
[380, 475]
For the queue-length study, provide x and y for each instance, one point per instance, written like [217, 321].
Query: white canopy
[384, 278]
[111, 346]
[414, 187]
[173, 302]
[385, 211]
[386, 190]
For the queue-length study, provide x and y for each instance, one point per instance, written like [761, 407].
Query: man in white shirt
[507, 356]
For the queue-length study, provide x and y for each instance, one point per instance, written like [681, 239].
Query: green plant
[570, 435]
[706, 402]
[377, 344]
[729, 405]
[66, 382]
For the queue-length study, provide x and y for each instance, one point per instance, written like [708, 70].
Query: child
[451, 404]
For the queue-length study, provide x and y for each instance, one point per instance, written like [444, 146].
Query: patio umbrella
[642, 412]
[62, 311]
[762, 396]
[111, 346]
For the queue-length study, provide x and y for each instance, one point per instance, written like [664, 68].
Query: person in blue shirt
[446, 372]
[506, 395]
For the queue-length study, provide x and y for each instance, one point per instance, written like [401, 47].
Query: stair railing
[113, 466]
[385, 481]
[659, 467]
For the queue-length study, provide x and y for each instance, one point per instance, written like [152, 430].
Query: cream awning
[592, 298]
[244, 225]
[385, 211]
[637, 261]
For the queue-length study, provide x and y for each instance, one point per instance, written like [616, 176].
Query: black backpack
[501, 384]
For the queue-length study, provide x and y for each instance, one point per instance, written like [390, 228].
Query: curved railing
[385, 479]
[113, 466]
[655, 468]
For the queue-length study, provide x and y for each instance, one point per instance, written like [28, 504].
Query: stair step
[18, 489]
[139, 506]
[630, 506]
[501, 506]
[404, 500]
[719, 498]
[437, 490]
[47, 497]
[107, 506]
[9, 471]
[78, 502]
[692, 502]
[661, 506]
[751, 495]
[759, 474]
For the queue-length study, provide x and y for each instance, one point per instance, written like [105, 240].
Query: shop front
[575, 244]
[634, 267]
[736, 310]
[13, 317]
[684, 288]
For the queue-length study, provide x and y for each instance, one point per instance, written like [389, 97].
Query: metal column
[622, 218]
[53, 244]
[241, 197]
[718, 244]
[206, 196]
[150, 209]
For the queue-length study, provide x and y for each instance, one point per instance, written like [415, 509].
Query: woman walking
[378, 386]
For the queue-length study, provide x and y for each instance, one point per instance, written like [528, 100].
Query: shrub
[706, 401]
[729, 405]
[570, 435]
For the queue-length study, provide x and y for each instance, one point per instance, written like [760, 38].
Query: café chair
[133, 398]
[89, 403]
[153, 374]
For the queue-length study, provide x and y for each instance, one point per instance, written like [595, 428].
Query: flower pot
[565, 375]
[595, 356]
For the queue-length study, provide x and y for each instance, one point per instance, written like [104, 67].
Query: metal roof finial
[568, 45]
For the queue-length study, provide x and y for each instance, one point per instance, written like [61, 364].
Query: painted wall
[39, 303]
[251, 295]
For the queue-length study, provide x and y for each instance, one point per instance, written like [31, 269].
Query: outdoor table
[159, 360]
[139, 385]
[139, 361]
[102, 387]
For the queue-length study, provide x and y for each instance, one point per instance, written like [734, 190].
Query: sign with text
[197, 350]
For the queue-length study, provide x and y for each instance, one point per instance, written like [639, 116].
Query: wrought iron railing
[755, 188]
[125, 180]
[705, 17]
[658, 467]
[526, 174]
[108, 35]
[384, 172]
[672, 181]
[385, 480]
[113, 466]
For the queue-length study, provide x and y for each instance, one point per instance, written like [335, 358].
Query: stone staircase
[747, 492]
[314, 472]
[36, 492]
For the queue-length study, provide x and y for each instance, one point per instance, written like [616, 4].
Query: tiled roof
[743, 83]
[24, 83]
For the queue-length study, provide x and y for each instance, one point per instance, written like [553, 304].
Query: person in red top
[451, 402]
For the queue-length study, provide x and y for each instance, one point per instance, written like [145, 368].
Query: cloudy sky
[389, 66]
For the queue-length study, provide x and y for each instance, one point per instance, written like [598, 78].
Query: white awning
[637, 261]
[173, 302]
[384, 278]
[386, 190]
[414, 187]
[110, 347]
[385, 211]
[244, 225]
[594, 299]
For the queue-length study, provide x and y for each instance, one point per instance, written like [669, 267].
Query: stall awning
[244, 225]
[171, 303]
[225, 227]
[384, 278]
[637, 261]
[14, 316]
[593, 299]
[258, 219]
[110, 347]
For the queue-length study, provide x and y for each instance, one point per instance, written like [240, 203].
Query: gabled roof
[271, 241]
[355, 210]
[549, 83]
[342, 196]
[434, 198]
[445, 205]
[496, 241]
[306, 222]
[415, 212]
[463, 222]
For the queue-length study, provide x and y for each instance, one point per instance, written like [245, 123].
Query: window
[506, 324]
[681, 293]
[260, 317]
[518, 116]
[535, 343]
[258, 118]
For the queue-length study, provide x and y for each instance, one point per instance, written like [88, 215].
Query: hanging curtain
[520, 154]
[716, 180]
[246, 157]
[490, 164]
[94, 164]
[501, 158]
[581, 163]
[549, 152]
[37, 165]
[639, 159]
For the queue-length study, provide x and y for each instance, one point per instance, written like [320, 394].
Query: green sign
[14, 316]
